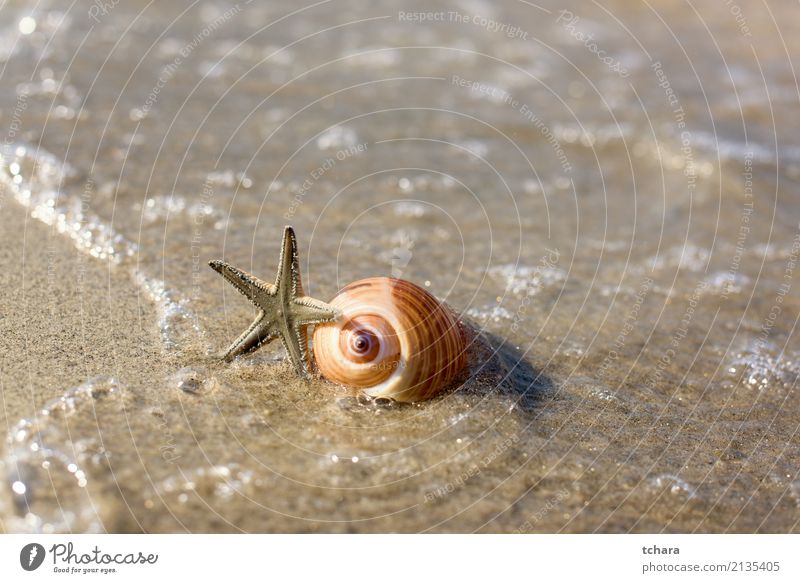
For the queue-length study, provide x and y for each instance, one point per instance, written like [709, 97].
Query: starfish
[284, 311]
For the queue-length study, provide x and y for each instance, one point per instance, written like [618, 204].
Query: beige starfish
[285, 311]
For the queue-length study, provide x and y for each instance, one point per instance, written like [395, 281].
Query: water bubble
[337, 137]
[192, 380]
[409, 208]
[27, 25]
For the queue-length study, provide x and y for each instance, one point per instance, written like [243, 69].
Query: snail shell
[392, 339]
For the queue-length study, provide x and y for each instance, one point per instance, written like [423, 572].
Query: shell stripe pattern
[393, 338]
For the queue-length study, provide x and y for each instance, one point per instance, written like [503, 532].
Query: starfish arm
[285, 310]
[257, 334]
[248, 285]
[288, 281]
[306, 310]
[295, 341]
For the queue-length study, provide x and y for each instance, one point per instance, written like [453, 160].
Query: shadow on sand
[501, 368]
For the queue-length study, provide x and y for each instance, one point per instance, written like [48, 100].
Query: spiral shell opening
[393, 339]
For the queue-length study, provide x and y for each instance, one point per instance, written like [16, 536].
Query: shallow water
[617, 215]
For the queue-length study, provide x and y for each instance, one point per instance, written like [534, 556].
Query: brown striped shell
[392, 339]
